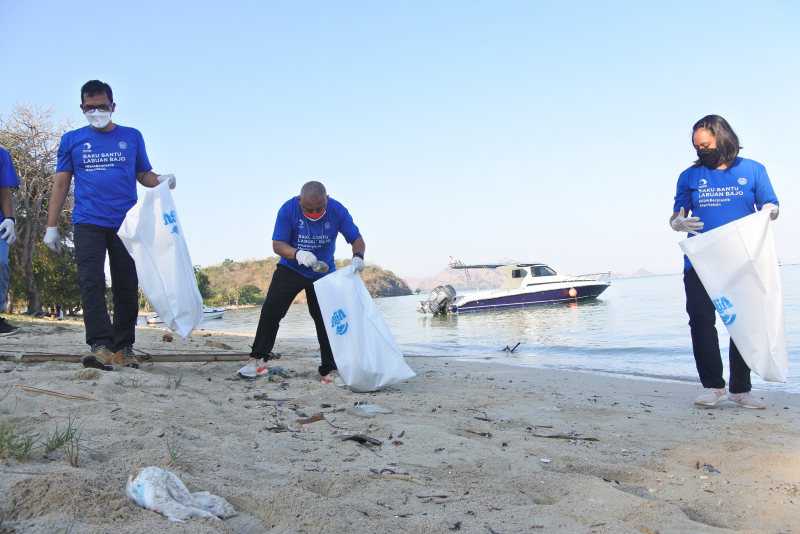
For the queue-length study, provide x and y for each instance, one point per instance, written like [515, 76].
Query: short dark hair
[727, 140]
[95, 87]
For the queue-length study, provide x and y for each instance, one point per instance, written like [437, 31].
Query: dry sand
[465, 449]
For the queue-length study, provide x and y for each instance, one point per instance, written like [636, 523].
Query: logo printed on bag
[171, 219]
[725, 309]
[339, 322]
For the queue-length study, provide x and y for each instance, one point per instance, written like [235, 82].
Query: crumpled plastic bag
[162, 491]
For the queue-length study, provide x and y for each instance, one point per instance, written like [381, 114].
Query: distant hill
[230, 280]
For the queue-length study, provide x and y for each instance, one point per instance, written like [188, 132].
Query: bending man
[305, 239]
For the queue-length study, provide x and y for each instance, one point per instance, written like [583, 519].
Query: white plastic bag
[364, 349]
[162, 491]
[154, 238]
[738, 266]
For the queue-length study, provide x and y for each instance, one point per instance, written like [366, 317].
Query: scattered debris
[278, 428]
[218, 345]
[511, 349]
[313, 419]
[87, 374]
[363, 440]
[266, 397]
[367, 410]
[163, 492]
[279, 372]
[545, 460]
[481, 434]
[708, 468]
[570, 437]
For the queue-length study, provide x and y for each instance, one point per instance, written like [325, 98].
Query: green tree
[203, 283]
[250, 294]
[32, 139]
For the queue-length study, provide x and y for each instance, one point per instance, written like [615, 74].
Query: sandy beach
[469, 447]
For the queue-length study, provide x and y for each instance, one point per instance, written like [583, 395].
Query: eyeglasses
[100, 107]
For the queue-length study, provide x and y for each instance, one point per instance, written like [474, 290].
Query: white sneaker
[746, 400]
[710, 397]
[254, 368]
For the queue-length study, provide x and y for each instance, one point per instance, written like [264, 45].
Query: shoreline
[311, 344]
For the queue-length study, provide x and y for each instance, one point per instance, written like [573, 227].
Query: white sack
[738, 266]
[154, 238]
[364, 349]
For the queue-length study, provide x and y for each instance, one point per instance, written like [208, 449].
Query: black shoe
[6, 329]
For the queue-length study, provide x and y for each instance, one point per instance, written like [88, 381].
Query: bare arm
[284, 249]
[61, 181]
[359, 247]
[6, 204]
[148, 179]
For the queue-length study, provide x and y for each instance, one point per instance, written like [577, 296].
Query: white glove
[7, 231]
[305, 258]
[52, 239]
[682, 223]
[358, 264]
[773, 211]
[167, 177]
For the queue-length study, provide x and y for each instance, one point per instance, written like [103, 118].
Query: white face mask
[97, 118]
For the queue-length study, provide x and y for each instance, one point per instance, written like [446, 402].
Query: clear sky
[543, 131]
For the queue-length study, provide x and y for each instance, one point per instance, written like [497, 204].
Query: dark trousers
[91, 245]
[283, 288]
[705, 342]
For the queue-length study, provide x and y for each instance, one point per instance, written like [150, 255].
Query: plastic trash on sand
[366, 354]
[738, 266]
[162, 491]
[153, 236]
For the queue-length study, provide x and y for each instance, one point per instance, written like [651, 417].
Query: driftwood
[31, 389]
[145, 358]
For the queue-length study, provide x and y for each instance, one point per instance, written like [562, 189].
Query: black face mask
[709, 157]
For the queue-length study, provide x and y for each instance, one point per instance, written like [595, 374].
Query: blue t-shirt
[318, 236]
[721, 196]
[8, 176]
[105, 165]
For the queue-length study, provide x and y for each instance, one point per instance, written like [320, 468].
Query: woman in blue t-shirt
[718, 188]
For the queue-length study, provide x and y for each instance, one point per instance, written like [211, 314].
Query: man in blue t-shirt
[106, 160]
[8, 182]
[305, 239]
[719, 188]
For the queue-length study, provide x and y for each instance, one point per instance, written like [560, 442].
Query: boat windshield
[543, 270]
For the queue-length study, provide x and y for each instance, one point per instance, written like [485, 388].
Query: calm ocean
[638, 327]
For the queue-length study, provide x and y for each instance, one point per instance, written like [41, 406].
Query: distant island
[245, 282]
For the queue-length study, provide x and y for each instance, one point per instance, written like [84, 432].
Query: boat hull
[583, 292]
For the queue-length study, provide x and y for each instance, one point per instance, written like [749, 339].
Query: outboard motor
[439, 300]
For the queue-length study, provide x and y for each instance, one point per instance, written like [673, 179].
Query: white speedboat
[524, 284]
[208, 314]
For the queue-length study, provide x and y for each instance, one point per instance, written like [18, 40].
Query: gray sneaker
[746, 400]
[710, 397]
